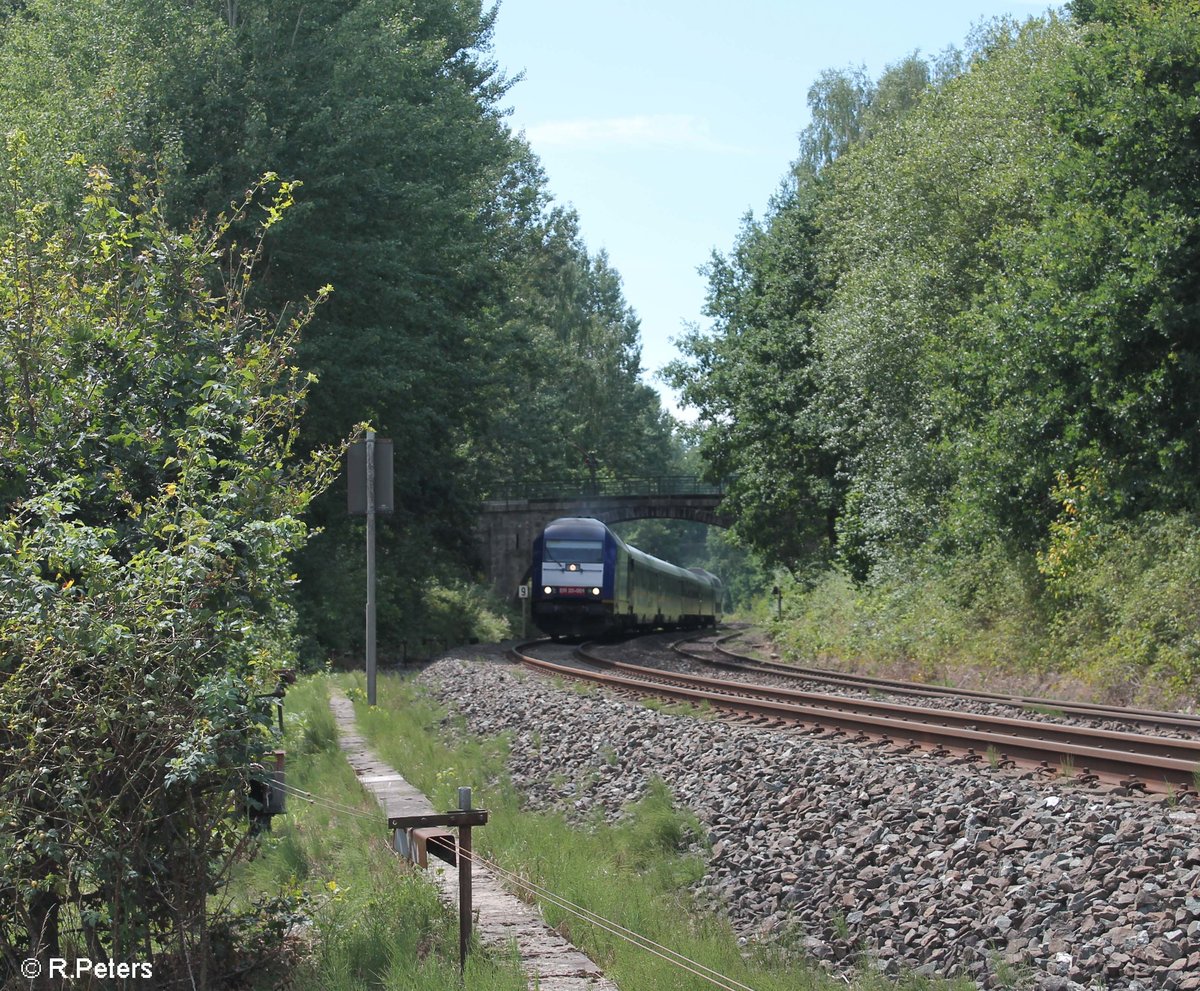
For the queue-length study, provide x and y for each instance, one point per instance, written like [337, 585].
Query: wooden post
[410, 815]
[464, 882]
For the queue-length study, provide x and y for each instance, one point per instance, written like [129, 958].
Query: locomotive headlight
[572, 567]
[595, 591]
[548, 590]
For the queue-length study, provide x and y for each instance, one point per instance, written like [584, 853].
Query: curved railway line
[1089, 755]
[714, 652]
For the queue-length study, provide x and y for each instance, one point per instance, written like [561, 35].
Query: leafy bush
[926, 617]
[1110, 607]
[1133, 625]
[150, 501]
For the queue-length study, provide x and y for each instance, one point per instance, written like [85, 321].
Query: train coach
[587, 582]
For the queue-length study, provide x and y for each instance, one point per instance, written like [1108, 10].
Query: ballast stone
[904, 855]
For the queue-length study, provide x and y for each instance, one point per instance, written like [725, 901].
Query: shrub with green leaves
[149, 499]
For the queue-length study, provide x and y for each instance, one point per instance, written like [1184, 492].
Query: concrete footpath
[501, 918]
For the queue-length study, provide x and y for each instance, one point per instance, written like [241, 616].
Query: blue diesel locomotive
[587, 582]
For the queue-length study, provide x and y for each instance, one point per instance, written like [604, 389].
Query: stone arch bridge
[514, 516]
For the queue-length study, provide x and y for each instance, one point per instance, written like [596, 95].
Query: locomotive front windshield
[574, 551]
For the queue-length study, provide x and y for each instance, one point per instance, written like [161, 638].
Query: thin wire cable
[331, 805]
[536, 888]
[327, 803]
[615, 928]
[637, 939]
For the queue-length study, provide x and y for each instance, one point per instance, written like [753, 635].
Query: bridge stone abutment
[507, 527]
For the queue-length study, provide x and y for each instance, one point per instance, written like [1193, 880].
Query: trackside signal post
[523, 595]
[370, 491]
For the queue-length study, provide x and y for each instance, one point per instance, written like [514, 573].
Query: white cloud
[664, 131]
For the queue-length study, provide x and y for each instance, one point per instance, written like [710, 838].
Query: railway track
[1089, 755]
[713, 652]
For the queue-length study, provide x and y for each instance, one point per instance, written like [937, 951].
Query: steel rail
[887, 724]
[1158, 746]
[1185, 721]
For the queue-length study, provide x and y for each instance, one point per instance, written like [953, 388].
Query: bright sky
[664, 121]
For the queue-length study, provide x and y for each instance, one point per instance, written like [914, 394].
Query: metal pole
[370, 567]
[464, 882]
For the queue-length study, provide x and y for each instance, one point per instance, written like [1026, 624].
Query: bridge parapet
[573, 488]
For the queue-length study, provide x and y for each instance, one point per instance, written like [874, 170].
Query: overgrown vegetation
[467, 312]
[149, 499]
[635, 871]
[158, 485]
[362, 917]
[956, 361]
[1119, 623]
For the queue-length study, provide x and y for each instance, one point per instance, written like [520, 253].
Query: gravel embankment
[905, 862]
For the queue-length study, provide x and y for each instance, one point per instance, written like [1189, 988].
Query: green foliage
[102, 79]
[929, 618]
[963, 336]
[469, 323]
[565, 376]
[1076, 536]
[1086, 330]
[838, 102]
[1131, 625]
[635, 871]
[457, 611]
[1120, 622]
[423, 606]
[371, 920]
[775, 378]
[907, 220]
[151, 498]
[753, 383]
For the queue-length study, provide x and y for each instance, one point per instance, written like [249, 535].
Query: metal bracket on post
[432, 841]
[414, 838]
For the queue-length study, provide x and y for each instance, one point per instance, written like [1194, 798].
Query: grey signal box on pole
[356, 474]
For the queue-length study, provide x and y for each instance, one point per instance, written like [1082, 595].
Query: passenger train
[587, 582]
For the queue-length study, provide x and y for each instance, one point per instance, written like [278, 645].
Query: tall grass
[636, 872]
[930, 619]
[371, 922]
[1118, 619]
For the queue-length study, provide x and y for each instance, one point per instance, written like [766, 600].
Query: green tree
[469, 324]
[908, 224]
[838, 102]
[1087, 331]
[151, 499]
[161, 79]
[758, 378]
[566, 373]
[752, 379]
